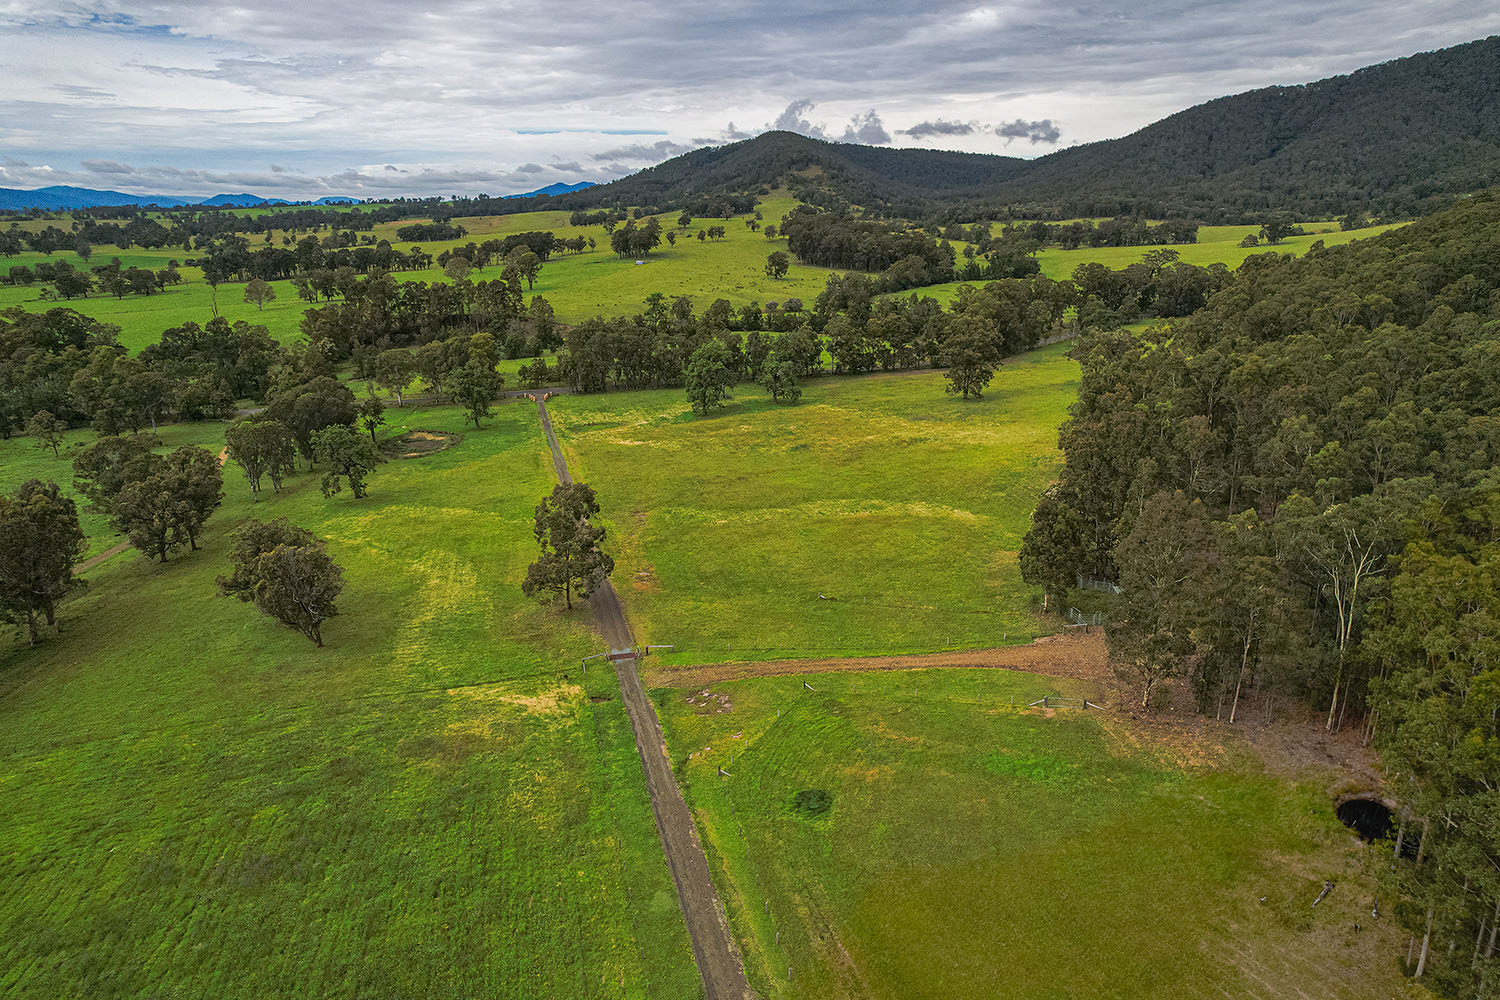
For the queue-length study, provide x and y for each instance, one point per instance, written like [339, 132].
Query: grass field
[199, 803]
[903, 506]
[584, 285]
[977, 850]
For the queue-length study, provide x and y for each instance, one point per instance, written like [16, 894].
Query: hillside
[1400, 137]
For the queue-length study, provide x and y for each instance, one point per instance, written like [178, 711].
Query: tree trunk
[31, 626]
[1426, 940]
[1244, 662]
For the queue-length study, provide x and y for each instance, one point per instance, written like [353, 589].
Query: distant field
[580, 286]
[1216, 245]
[902, 507]
[970, 850]
[199, 803]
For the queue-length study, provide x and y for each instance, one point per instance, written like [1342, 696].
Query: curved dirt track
[714, 949]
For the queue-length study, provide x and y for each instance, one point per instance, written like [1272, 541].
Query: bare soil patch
[419, 444]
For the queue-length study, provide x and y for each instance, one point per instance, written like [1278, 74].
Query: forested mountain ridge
[865, 175]
[1390, 137]
[1400, 137]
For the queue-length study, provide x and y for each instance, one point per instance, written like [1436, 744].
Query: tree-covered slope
[1391, 137]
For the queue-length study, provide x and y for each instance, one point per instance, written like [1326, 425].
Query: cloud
[530, 168]
[654, 152]
[277, 169]
[1039, 131]
[938, 126]
[107, 167]
[794, 119]
[867, 129]
[567, 166]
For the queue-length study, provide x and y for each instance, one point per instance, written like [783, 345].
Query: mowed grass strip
[877, 514]
[967, 847]
[440, 804]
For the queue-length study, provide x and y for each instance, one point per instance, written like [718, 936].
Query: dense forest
[1296, 490]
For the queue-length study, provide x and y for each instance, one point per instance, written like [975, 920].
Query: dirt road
[714, 949]
[1083, 657]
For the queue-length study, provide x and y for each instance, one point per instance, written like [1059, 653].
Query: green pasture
[200, 803]
[877, 514]
[970, 848]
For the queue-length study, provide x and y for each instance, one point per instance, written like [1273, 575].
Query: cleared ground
[437, 804]
[876, 515]
[970, 848]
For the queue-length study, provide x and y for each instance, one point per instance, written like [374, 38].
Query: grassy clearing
[436, 804]
[903, 505]
[976, 850]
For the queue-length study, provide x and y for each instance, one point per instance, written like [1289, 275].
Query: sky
[377, 98]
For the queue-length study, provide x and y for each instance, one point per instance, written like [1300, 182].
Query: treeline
[861, 332]
[189, 229]
[1296, 490]
[1124, 231]
[425, 232]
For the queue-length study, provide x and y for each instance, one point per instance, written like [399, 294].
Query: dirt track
[714, 949]
[1084, 657]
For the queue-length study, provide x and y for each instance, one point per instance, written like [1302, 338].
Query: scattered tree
[286, 572]
[972, 357]
[263, 447]
[42, 541]
[47, 429]
[571, 560]
[347, 455]
[708, 377]
[473, 387]
[780, 380]
[778, 263]
[259, 291]
[371, 415]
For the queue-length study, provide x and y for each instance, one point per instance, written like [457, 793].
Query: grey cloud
[937, 126]
[868, 129]
[640, 151]
[567, 166]
[530, 168]
[733, 134]
[83, 93]
[794, 119]
[1039, 131]
[108, 167]
[276, 169]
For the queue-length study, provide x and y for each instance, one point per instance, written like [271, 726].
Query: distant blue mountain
[336, 199]
[61, 197]
[557, 188]
[242, 200]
